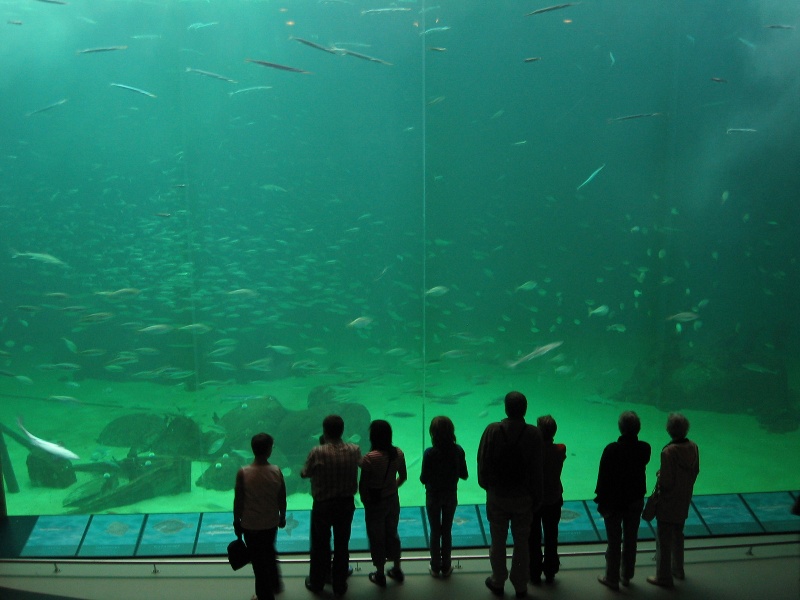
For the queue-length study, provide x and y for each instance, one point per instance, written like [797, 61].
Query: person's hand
[282, 522]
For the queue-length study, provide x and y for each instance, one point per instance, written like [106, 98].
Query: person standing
[333, 469]
[510, 470]
[545, 520]
[621, 486]
[680, 465]
[259, 509]
[383, 471]
[442, 466]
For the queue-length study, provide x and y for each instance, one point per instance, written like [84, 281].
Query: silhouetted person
[680, 465]
[442, 466]
[259, 509]
[333, 470]
[621, 486]
[383, 470]
[510, 470]
[546, 518]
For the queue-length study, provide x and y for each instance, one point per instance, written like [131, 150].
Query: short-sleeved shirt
[262, 496]
[333, 469]
[442, 467]
[377, 471]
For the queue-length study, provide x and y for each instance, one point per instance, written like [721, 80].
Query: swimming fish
[48, 447]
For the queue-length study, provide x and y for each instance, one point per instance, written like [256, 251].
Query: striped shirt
[377, 471]
[333, 469]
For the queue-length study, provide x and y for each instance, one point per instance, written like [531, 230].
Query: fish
[437, 291]
[347, 52]
[100, 49]
[196, 328]
[171, 526]
[159, 329]
[48, 259]
[200, 25]
[532, 59]
[53, 2]
[376, 11]
[250, 89]
[401, 414]
[683, 317]
[756, 368]
[271, 65]
[538, 351]
[547, 9]
[291, 522]
[315, 45]
[46, 108]
[719, 80]
[731, 130]
[600, 311]
[527, 286]
[636, 116]
[591, 177]
[48, 447]
[567, 515]
[776, 26]
[211, 75]
[134, 89]
[434, 30]
[360, 322]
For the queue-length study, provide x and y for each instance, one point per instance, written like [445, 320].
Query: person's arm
[666, 474]
[483, 458]
[238, 502]
[462, 464]
[311, 462]
[603, 474]
[282, 502]
[402, 473]
[424, 475]
[538, 469]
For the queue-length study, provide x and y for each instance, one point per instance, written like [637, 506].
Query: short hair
[547, 425]
[442, 431]
[333, 426]
[380, 435]
[516, 405]
[677, 426]
[262, 444]
[629, 423]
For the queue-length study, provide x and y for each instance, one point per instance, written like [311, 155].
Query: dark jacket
[680, 465]
[553, 462]
[622, 478]
[442, 467]
[528, 440]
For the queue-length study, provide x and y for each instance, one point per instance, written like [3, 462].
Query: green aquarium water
[225, 217]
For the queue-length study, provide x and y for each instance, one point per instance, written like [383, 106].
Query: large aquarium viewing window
[219, 218]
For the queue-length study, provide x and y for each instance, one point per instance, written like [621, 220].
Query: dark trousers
[335, 514]
[261, 544]
[622, 529]
[382, 519]
[441, 508]
[545, 521]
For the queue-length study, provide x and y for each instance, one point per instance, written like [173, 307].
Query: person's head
[380, 435]
[516, 405]
[677, 426]
[629, 423]
[442, 431]
[262, 445]
[333, 427]
[547, 425]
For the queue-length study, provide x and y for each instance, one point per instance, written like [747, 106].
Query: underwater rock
[181, 437]
[321, 395]
[253, 416]
[139, 430]
[221, 475]
[91, 490]
[47, 470]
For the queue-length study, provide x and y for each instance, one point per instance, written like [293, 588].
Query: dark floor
[760, 567]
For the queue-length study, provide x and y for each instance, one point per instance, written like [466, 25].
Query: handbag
[238, 554]
[651, 506]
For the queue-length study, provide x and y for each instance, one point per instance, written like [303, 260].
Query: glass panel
[222, 218]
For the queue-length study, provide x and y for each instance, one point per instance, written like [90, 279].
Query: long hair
[443, 432]
[380, 438]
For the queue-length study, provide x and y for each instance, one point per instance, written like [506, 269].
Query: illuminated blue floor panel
[187, 534]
